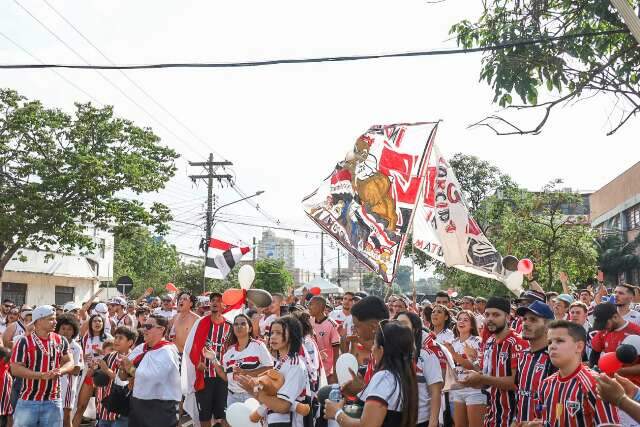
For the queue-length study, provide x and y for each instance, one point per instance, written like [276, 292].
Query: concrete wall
[616, 195]
[41, 288]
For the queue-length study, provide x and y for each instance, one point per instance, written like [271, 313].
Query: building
[40, 277]
[615, 208]
[272, 247]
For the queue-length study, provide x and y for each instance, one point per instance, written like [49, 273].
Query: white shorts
[468, 396]
[68, 391]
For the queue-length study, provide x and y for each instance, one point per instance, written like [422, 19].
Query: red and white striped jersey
[217, 338]
[533, 368]
[573, 401]
[6, 382]
[500, 359]
[40, 355]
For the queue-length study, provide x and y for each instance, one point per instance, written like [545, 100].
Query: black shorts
[212, 399]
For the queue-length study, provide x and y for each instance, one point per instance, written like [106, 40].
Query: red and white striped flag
[221, 258]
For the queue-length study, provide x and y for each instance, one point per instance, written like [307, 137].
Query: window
[15, 291]
[633, 217]
[102, 245]
[64, 294]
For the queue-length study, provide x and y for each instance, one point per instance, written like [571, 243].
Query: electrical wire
[434, 52]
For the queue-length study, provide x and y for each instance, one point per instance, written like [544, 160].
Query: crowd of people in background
[470, 361]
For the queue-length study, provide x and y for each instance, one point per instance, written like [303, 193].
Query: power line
[435, 52]
[104, 77]
[133, 82]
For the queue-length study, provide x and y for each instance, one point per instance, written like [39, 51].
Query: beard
[499, 328]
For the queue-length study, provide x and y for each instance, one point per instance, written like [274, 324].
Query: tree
[61, 173]
[272, 276]
[535, 226]
[149, 260]
[403, 278]
[572, 68]
[616, 256]
[478, 179]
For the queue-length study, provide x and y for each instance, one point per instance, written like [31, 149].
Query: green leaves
[605, 64]
[61, 172]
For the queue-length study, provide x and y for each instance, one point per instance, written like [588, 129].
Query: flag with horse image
[368, 201]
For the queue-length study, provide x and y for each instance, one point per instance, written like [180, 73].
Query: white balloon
[238, 415]
[252, 404]
[246, 276]
[345, 362]
[633, 340]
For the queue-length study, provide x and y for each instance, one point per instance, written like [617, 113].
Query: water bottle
[335, 395]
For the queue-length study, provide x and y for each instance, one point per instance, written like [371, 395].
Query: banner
[368, 201]
[444, 229]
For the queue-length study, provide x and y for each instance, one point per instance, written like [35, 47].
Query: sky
[285, 126]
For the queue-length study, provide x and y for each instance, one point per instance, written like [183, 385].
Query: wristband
[637, 396]
[340, 411]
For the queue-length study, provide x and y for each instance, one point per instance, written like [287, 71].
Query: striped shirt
[40, 355]
[6, 382]
[218, 334]
[573, 402]
[500, 359]
[113, 362]
[533, 369]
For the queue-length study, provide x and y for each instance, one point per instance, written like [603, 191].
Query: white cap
[101, 308]
[41, 312]
[70, 306]
[118, 301]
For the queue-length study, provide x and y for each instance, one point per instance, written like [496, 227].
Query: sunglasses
[149, 327]
[382, 324]
[9, 305]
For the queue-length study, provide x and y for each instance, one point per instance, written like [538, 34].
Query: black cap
[500, 303]
[532, 295]
[602, 313]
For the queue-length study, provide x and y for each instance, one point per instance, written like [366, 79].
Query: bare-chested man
[183, 321]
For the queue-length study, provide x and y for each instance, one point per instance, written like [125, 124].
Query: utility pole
[338, 265]
[322, 255]
[254, 252]
[209, 177]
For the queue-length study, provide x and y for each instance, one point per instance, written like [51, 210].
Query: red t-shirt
[608, 341]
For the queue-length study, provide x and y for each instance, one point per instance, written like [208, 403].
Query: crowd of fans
[529, 361]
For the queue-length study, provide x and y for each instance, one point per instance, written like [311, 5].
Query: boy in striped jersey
[40, 358]
[124, 340]
[569, 397]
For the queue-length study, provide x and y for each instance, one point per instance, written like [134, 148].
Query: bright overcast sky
[284, 127]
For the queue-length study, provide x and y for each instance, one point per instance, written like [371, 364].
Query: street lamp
[213, 216]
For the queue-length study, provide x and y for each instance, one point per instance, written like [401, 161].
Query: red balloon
[609, 363]
[315, 291]
[232, 296]
[525, 266]
[171, 287]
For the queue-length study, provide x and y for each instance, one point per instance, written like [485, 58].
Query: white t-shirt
[296, 386]
[68, 382]
[383, 388]
[428, 372]
[312, 359]
[254, 356]
[445, 336]
[633, 317]
[158, 375]
[338, 316]
[167, 314]
[473, 342]
[265, 324]
[3, 324]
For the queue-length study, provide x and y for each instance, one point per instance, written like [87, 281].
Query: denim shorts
[33, 413]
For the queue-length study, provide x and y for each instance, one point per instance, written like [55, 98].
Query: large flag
[444, 229]
[368, 202]
[221, 258]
